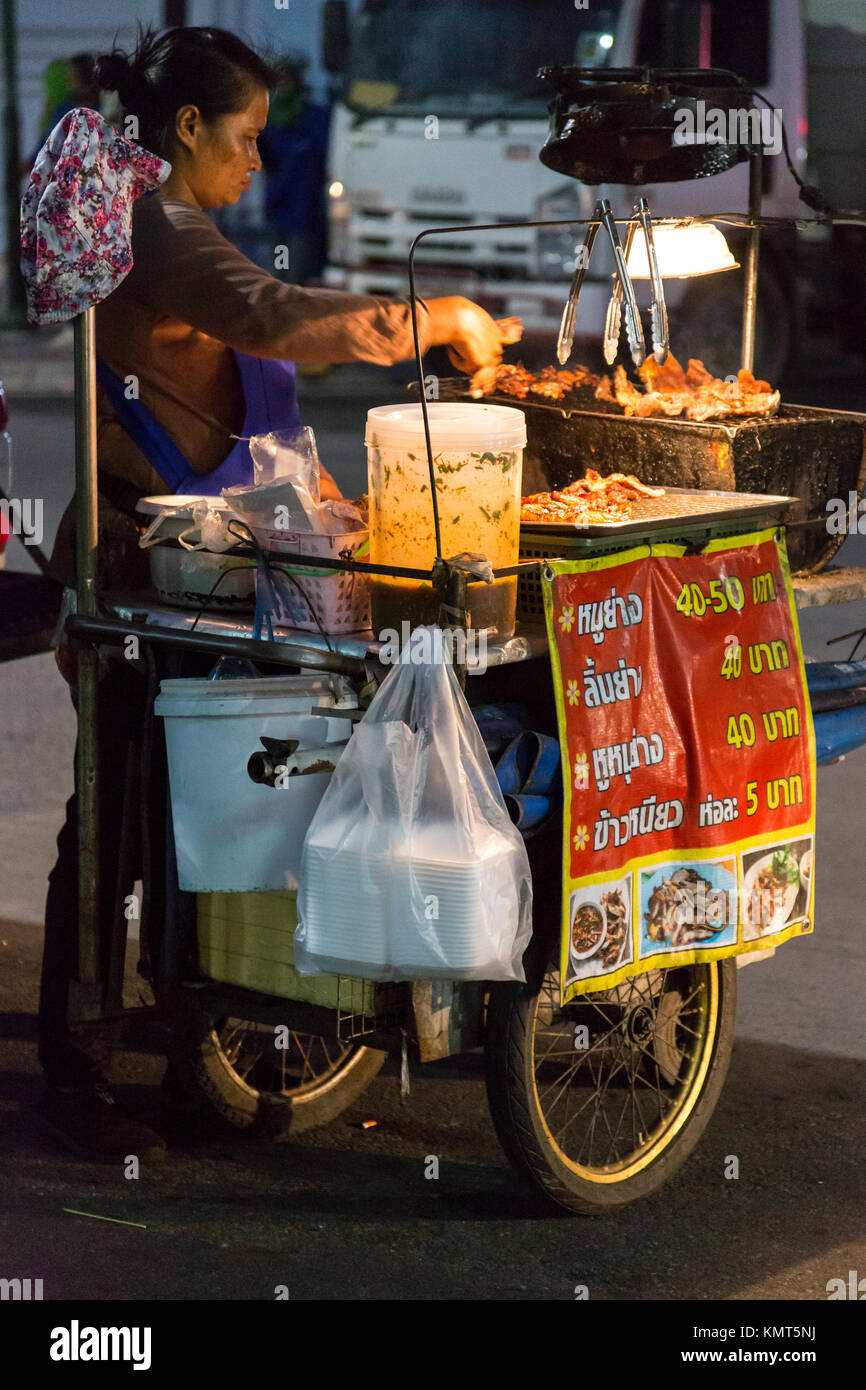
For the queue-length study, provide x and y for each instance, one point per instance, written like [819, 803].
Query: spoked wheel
[600, 1102]
[235, 1075]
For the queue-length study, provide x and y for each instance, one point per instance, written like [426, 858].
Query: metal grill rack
[671, 520]
[391, 1008]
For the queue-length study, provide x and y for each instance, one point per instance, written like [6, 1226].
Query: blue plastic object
[822, 676]
[530, 765]
[839, 731]
[528, 812]
[499, 724]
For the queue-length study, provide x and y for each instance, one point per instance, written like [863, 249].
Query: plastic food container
[188, 578]
[478, 458]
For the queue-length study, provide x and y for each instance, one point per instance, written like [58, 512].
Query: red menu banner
[688, 757]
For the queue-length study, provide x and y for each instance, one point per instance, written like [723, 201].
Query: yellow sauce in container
[478, 465]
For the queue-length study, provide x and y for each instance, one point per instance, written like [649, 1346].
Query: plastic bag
[210, 523]
[411, 866]
[284, 504]
[288, 454]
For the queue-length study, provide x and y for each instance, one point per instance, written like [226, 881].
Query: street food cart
[603, 1068]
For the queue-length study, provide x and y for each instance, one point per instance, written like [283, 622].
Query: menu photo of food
[687, 905]
[777, 884]
[600, 937]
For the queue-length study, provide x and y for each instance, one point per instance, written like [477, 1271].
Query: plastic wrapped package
[287, 454]
[282, 505]
[411, 867]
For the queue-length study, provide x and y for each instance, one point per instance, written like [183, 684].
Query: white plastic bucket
[233, 835]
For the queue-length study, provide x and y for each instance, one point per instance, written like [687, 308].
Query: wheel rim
[309, 1065]
[611, 1106]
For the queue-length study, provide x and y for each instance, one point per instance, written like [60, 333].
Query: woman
[195, 346]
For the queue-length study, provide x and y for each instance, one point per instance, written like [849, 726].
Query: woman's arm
[184, 267]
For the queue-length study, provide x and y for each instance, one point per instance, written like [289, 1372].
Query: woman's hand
[328, 489]
[472, 337]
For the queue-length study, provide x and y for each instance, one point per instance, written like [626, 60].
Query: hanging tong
[613, 319]
[659, 313]
[622, 290]
[565, 341]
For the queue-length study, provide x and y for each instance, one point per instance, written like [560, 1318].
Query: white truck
[439, 121]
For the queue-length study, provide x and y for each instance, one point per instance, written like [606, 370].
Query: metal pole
[174, 14]
[750, 296]
[86, 992]
[15, 310]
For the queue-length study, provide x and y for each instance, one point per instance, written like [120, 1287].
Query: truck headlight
[338, 224]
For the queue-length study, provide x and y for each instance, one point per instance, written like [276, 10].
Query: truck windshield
[470, 58]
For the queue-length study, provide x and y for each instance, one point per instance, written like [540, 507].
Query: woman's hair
[208, 68]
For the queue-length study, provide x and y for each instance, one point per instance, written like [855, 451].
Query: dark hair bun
[113, 72]
[205, 67]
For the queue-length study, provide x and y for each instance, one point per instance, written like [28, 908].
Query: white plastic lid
[245, 687]
[181, 502]
[454, 426]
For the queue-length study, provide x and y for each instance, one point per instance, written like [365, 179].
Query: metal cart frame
[88, 629]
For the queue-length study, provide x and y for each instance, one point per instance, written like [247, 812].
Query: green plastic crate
[246, 939]
[539, 545]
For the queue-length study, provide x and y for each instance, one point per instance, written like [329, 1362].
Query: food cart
[598, 1093]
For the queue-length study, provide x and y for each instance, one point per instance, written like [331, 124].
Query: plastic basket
[309, 599]
[246, 939]
[539, 545]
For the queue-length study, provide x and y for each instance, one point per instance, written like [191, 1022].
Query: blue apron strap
[270, 403]
[269, 393]
[144, 430]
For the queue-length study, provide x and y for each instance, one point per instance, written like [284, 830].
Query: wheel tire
[224, 1099]
[708, 325]
[521, 1125]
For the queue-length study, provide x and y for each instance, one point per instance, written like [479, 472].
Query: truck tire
[708, 324]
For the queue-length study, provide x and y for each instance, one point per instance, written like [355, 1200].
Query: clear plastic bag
[411, 866]
[288, 454]
[210, 523]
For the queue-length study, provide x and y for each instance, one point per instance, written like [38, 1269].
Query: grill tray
[679, 506]
[685, 516]
[804, 452]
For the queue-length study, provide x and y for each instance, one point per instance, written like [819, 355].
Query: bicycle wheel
[231, 1071]
[600, 1102]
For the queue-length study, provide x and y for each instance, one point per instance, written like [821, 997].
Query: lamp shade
[683, 249]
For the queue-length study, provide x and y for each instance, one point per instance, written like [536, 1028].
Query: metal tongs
[623, 289]
[565, 341]
[659, 313]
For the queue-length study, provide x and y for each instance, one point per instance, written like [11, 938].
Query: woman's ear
[187, 126]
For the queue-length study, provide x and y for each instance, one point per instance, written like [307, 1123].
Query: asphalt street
[346, 1211]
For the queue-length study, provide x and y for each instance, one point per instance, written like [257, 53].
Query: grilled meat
[693, 394]
[592, 499]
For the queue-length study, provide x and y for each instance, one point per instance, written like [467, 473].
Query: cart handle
[112, 632]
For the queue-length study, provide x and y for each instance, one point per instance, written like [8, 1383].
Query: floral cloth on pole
[76, 215]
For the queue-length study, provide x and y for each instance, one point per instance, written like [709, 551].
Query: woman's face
[216, 158]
